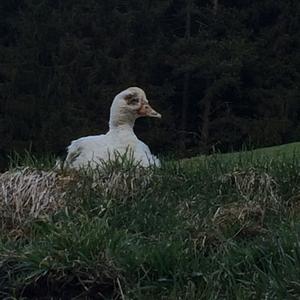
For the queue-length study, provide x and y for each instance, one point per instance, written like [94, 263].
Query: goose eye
[134, 101]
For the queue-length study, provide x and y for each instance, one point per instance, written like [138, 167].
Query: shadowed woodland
[223, 73]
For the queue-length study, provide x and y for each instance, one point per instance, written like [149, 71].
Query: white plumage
[127, 106]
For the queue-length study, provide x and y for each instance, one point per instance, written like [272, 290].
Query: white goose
[127, 106]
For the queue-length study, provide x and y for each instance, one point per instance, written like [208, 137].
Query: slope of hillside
[219, 227]
[286, 151]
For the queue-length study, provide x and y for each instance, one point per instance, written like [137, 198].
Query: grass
[217, 227]
[286, 151]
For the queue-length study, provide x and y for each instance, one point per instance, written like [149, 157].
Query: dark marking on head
[132, 98]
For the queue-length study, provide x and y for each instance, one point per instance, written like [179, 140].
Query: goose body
[127, 106]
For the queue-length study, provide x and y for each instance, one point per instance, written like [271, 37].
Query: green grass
[27, 159]
[286, 151]
[217, 227]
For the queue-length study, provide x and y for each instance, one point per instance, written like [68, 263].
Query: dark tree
[223, 73]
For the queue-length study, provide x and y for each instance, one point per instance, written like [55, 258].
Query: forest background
[223, 73]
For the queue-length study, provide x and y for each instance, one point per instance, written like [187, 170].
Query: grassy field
[217, 227]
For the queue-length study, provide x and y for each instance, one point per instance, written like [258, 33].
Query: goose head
[129, 105]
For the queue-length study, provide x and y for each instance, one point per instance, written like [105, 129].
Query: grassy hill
[281, 152]
[224, 226]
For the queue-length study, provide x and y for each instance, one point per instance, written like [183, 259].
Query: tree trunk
[215, 6]
[205, 124]
[186, 79]
[207, 103]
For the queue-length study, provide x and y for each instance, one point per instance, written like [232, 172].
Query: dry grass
[246, 219]
[237, 220]
[254, 194]
[257, 193]
[293, 205]
[254, 185]
[122, 183]
[27, 193]
[115, 182]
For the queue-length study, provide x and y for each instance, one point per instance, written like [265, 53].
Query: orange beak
[147, 111]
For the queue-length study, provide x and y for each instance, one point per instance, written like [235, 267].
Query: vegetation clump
[28, 193]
